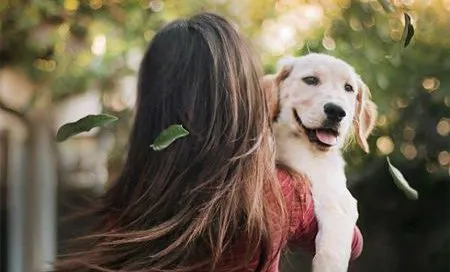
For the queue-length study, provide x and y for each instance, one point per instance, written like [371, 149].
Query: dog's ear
[285, 62]
[365, 116]
[271, 85]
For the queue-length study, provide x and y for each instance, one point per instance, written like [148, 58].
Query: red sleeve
[303, 224]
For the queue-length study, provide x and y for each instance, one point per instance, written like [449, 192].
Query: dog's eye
[348, 88]
[311, 80]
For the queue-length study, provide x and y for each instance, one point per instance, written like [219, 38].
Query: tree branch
[20, 115]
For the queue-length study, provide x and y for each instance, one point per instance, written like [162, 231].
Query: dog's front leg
[336, 214]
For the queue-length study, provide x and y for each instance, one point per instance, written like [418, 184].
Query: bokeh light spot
[409, 151]
[431, 84]
[382, 120]
[443, 127]
[96, 4]
[444, 158]
[328, 43]
[313, 12]
[99, 45]
[156, 5]
[385, 145]
[45, 65]
[71, 5]
[63, 29]
[355, 24]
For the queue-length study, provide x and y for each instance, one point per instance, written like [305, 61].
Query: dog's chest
[333, 203]
[325, 173]
[322, 170]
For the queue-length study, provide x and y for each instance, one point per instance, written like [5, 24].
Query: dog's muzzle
[325, 136]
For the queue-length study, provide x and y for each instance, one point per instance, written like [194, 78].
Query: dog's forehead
[322, 65]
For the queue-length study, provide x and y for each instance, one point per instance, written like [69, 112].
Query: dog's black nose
[334, 112]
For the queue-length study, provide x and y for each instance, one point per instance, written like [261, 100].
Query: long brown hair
[187, 207]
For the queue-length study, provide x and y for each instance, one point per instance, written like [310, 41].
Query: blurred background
[63, 59]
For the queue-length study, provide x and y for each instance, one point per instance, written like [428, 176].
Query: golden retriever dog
[318, 102]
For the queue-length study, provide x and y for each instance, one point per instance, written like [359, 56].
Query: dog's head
[321, 98]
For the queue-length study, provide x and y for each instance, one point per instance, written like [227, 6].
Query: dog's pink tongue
[326, 137]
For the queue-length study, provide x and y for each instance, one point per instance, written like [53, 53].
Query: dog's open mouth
[323, 136]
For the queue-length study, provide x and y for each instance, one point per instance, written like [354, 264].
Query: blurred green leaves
[55, 43]
[387, 5]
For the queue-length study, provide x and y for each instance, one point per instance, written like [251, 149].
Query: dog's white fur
[335, 208]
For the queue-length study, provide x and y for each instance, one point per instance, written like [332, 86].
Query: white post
[47, 193]
[16, 213]
[40, 186]
[41, 206]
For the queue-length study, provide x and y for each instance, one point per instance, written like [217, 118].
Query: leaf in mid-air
[408, 31]
[396, 51]
[401, 182]
[168, 136]
[83, 125]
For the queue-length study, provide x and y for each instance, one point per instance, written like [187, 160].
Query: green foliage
[387, 5]
[401, 182]
[83, 125]
[168, 136]
[54, 43]
[70, 46]
[411, 90]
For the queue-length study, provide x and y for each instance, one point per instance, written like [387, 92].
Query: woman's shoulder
[294, 186]
[297, 194]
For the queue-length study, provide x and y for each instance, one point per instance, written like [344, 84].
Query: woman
[211, 201]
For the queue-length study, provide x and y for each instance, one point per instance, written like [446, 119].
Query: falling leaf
[83, 125]
[387, 5]
[401, 182]
[168, 136]
[408, 31]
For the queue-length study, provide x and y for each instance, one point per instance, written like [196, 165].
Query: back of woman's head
[186, 207]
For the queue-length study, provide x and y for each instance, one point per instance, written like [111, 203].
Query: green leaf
[84, 124]
[387, 5]
[397, 50]
[168, 136]
[401, 182]
[408, 31]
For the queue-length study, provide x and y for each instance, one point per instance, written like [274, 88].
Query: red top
[303, 224]
[302, 221]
